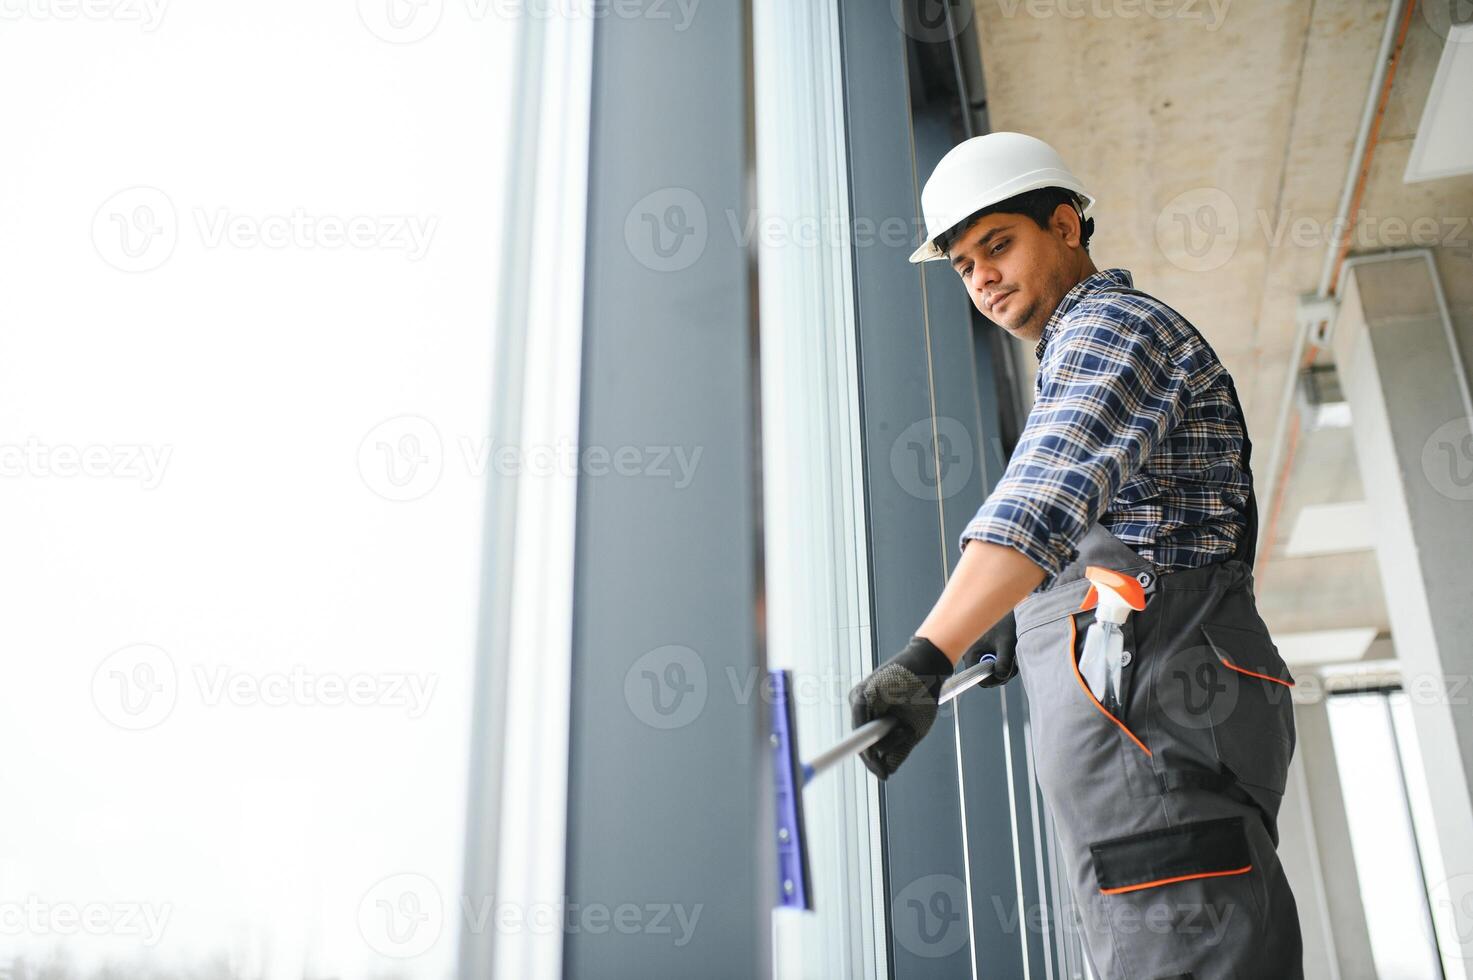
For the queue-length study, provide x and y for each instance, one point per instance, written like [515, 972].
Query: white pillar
[1403, 378]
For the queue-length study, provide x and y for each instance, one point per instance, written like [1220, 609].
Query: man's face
[1017, 272]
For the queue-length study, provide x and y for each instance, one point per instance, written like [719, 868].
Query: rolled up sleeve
[1109, 392]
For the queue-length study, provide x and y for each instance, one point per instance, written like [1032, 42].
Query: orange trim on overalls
[1251, 673]
[1171, 881]
[1073, 633]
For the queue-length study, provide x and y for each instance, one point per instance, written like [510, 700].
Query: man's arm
[989, 580]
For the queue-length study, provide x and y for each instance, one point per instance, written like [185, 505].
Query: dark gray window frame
[926, 353]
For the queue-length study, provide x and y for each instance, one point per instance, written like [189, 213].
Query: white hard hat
[985, 170]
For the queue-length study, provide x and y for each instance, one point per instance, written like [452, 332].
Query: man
[1135, 457]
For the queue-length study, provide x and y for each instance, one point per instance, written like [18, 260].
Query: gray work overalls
[1167, 816]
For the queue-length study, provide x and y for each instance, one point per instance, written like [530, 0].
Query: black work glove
[906, 688]
[998, 644]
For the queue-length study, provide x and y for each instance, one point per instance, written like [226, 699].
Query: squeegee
[791, 775]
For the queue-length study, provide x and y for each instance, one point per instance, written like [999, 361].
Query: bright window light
[243, 397]
[1382, 837]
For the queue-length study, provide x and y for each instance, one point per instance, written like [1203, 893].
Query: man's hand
[998, 644]
[905, 687]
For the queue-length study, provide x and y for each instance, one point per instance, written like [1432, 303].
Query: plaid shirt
[1133, 425]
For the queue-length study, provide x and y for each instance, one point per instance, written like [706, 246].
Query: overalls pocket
[1079, 625]
[1253, 729]
[1076, 743]
[1195, 886]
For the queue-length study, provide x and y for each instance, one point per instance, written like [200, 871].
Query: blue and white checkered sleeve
[1109, 393]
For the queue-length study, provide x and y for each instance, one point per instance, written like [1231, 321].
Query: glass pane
[1381, 837]
[1444, 914]
[817, 584]
[243, 397]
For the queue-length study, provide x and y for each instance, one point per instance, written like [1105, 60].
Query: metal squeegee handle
[871, 732]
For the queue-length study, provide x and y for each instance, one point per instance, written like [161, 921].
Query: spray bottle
[1114, 595]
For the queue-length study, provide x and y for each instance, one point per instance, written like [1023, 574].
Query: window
[1389, 823]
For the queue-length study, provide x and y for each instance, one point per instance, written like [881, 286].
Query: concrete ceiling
[1217, 141]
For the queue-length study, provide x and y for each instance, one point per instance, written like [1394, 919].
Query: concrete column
[1403, 378]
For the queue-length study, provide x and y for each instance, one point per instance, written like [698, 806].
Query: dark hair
[1037, 204]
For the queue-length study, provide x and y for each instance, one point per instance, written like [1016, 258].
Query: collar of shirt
[1089, 284]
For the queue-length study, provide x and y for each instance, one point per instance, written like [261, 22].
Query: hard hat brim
[929, 252]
